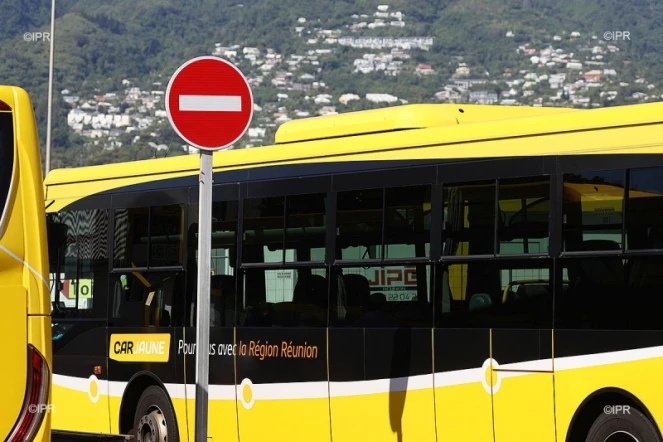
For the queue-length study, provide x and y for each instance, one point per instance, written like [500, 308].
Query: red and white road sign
[209, 103]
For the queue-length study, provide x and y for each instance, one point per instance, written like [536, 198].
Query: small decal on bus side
[140, 347]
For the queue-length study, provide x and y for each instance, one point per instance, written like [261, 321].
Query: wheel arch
[592, 406]
[138, 383]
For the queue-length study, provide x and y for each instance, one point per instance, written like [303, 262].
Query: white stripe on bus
[323, 389]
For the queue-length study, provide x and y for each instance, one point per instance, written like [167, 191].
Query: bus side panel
[590, 360]
[381, 385]
[463, 402]
[282, 385]
[529, 354]
[79, 395]
[138, 351]
[14, 350]
[221, 406]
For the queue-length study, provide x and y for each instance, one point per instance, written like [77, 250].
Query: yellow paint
[74, 411]
[524, 408]
[413, 116]
[14, 349]
[627, 129]
[248, 394]
[640, 378]
[140, 347]
[398, 416]
[294, 420]
[23, 265]
[463, 413]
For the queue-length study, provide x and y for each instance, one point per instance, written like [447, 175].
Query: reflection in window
[148, 236]
[408, 222]
[305, 227]
[263, 230]
[593, 210]
[383, 296]
[284, 297]
[469, 219]
[511, 294]
[524, 210]
[359, 224]
[143, 299]
[79, 267]
[644, 209]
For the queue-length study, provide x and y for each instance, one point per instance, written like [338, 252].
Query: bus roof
[413, 116]
[389, 129]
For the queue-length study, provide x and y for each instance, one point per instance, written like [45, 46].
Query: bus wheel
[155, 419]
[627, 426]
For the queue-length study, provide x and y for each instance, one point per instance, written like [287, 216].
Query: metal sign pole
[203, 304]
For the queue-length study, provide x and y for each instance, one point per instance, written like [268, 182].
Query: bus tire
[155, 418]
[627, 426]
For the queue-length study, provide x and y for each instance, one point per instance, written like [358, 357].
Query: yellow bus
[416, 273]
[25, 371]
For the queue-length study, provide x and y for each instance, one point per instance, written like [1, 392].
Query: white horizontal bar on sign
[211, 103]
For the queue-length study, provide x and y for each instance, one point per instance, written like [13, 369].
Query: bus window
[592, 210]
[6, 164]
[144, 299]
[305, 233]
[223, 264]
[644, 209]
[524, 206]
[79, 277]
[359, 224]
[499, 293]
[469, 219]
[149, 236]
[385, 296]
[407, 229]
[284, 297]
[263, 230]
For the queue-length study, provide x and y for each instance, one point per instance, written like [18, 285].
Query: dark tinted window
[224, 261]
[383, 296]
[384, 223]
[6, 159]
[283, 297]
[359, 220]
[263, 230]
[149, 236]
[305, 227]
[644, 209]
[500, 293]
[144, 299]
[469, 219]
[407, 230]
[79, 264]
[524, 208]
[593, 210]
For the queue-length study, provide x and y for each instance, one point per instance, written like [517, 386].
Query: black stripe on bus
[587, 342]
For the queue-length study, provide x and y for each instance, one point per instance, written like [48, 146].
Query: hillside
[114, 59]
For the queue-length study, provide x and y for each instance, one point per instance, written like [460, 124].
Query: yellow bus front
[25, 371]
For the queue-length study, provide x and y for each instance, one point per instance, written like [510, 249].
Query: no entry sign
[209, 103]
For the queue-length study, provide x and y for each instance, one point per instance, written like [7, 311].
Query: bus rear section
[25, 371]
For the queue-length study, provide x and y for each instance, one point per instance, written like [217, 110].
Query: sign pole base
[203, 298]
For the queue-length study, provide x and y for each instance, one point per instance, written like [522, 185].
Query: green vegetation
[98, 44]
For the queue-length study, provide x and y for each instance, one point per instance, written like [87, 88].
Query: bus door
[520, 284]
[79, 285]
